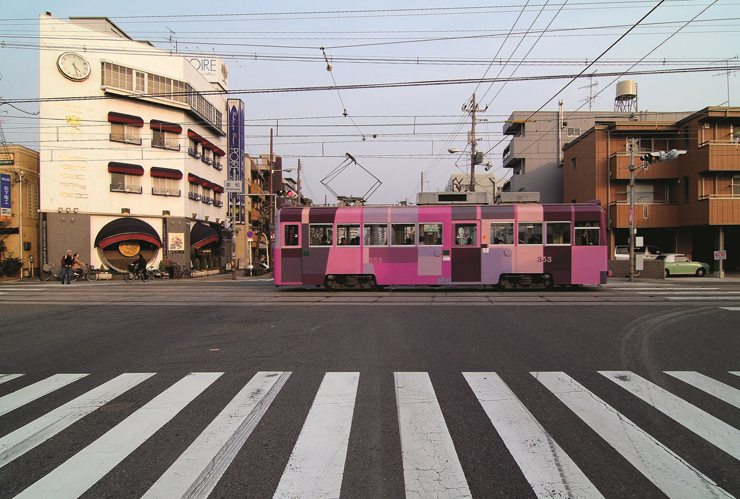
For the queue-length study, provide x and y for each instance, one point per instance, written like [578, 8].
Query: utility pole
[298, 183]
[473, 109]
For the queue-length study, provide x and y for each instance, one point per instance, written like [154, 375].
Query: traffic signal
[653, 157]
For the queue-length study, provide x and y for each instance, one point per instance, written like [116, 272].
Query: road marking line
[696, 420]
[8, 377]
[431, 467]
[693, 293]
[197, 471]
[37, 390]
[316, 465]
[662, 288]
[711, 386]
[548, 469]
[80, 472]
[669, 472]
[699, 297]
[23, 439]
[732, 309]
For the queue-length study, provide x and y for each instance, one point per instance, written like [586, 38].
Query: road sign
[250, 234]
[720, 255]
[233, 186]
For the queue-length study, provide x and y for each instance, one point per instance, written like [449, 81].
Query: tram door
[466, 252]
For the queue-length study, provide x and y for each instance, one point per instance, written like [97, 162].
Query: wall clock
[73, 66]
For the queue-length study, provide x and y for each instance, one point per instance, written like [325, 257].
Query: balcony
[206, 200]
[206, 160]
[116, 137]
[658, 215]
[719, 156]
[217, 203]
[193, 152]
[194, 196]
[620, 167]
[217, 165]
[166, 144]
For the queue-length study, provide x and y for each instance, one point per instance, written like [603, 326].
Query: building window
[574, 132]
[194, 191]
[32, 195]
[291, 235]
[207, 156]
[120, 182]
[735, 186]
[573, 163]
[121, 132]
[645, 211]
[193, 148]
[140, 82]
[502, 233]
[217, 199]
[165, 186]
[118, 76]
[376, 235]
[686, 189]
[165, 140]
[207, 196]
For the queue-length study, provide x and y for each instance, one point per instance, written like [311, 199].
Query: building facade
[132, 148]
[19, 215]
[534, 153]
[690, 205]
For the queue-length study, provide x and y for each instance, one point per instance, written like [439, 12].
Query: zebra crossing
[429, 455]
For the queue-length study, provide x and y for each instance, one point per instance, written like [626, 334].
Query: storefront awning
[123, 229]
[202, 234]
[125, 119]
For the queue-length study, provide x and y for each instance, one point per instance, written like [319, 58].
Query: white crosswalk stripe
[316, 466]
[671, 474]
[8, 377]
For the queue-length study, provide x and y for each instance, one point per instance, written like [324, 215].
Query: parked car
[648, 252]
[676, 263]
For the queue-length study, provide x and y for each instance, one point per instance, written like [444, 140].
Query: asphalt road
[626, 390]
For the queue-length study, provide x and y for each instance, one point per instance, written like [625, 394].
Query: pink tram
[509, 246]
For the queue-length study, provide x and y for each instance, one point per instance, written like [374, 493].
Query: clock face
[73, 66]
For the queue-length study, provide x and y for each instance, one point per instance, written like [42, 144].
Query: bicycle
[132, 275]
[48, 270]
[88, 272]
[180, 272]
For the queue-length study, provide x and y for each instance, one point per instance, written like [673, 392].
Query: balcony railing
[206, 200]
[194, 196]
[217, 203]
[128, 189]
[206, 160]
[163, 191]
[170, 146]
[115, 137]
[193, 152]
[217, 165]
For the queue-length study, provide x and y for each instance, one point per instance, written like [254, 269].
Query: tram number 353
[544, 259]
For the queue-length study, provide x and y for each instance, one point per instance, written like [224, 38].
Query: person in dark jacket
[67, 262]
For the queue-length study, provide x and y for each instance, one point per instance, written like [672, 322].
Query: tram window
[466, 234]
[430, 234]
[502, 233]
[320, 235]
[558, 232]
[291, 235]
[403, 234]
[376, 235]
[530, 232]
[348, 234]
[587, 233]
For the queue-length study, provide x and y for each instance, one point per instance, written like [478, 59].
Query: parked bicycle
[88, 272]
[180, 272]
[48, 270]
[132, 274]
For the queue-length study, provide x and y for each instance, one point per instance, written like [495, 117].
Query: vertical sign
[235, 146]
[5, 198]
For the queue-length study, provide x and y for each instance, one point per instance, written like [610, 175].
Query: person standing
[169, 266]
[67, 262]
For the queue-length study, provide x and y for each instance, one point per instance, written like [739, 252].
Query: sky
[402, 73]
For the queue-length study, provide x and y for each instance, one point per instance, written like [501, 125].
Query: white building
[132, 147]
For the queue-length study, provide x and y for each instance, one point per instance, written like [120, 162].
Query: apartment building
[690, 205]
[132, 154]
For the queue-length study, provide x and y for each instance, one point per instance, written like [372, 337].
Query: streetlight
[647, 160]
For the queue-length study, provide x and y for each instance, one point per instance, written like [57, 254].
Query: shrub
[204, 263]
[196, 265]
[161, 266]
[11, 265]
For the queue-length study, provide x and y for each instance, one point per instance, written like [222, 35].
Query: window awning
[165, 126]
[124, 229]
[156, 171]
[125, 119]
[206, 143]
[125, 168]
[203, 234]
[195, 179]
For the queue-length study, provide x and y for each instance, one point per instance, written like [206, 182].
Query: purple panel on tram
[323, 215]
[464, 212]
[557, 262]
[556, 213]
[497, 212]
[290, 215]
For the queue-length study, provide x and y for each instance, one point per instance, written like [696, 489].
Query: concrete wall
[652, 269]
